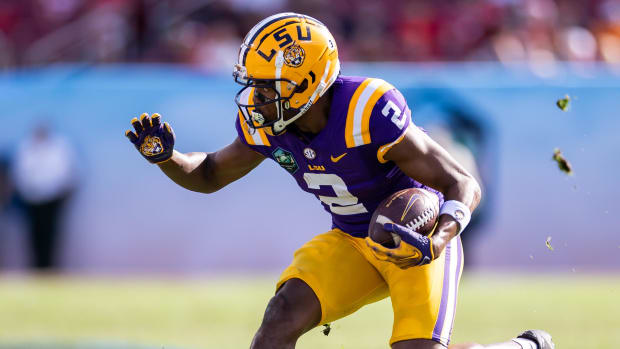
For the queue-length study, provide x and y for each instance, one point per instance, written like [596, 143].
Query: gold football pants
[345, 275]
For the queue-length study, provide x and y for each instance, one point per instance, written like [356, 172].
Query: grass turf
[223, 312]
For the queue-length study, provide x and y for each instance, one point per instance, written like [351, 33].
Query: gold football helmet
[292, 55]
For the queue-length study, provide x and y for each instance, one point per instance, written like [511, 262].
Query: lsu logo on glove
[154, 140]
[151, 146]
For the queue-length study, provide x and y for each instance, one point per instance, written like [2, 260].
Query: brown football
[414, 208]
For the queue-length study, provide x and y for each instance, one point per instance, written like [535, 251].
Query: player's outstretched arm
[198, 171]
[422, 159]
[209, 172]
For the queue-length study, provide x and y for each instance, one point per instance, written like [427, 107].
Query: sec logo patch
[309, 153]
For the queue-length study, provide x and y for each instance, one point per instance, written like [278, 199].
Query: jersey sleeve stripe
[374, 97]
[348, 131]
[357, 131]
[359, 110]
[384, 148]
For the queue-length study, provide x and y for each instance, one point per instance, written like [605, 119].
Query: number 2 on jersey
[398, 118]
[345, 202]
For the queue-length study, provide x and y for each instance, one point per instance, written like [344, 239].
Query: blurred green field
[223, 312]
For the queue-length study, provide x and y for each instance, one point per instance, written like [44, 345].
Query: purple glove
[416, 240]
[154, 140]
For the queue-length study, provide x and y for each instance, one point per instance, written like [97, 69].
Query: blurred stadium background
[146, 264]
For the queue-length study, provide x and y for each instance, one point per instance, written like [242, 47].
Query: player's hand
[414, 248]
[154, 140]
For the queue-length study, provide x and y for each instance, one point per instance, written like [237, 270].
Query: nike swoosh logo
[412, 200]
[336, 159]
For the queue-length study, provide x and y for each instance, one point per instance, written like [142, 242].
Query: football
[414, 208]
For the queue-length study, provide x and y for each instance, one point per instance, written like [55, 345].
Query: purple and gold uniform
[343, 166]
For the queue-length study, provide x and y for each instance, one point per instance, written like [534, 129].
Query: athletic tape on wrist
[457, 210]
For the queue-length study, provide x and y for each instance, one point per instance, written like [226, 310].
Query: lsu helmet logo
[294, 55]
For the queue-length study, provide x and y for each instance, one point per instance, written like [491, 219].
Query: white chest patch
[309, 153]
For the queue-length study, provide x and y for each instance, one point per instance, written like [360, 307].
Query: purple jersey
[343, 165]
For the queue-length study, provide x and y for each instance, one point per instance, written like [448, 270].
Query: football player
[349, 141]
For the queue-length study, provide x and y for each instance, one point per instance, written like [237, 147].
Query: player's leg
[328, 279]
[294, 310]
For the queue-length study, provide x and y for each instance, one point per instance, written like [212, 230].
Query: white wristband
[457, 210]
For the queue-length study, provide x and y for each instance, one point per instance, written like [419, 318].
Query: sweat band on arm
[457, 210]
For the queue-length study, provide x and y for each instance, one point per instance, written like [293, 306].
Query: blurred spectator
[44, 177]
[607, 30]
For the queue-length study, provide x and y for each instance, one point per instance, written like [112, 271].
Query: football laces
[421, 220]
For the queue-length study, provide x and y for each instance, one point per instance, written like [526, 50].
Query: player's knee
[291, 312]
[278, 312]
[281, 318]
[278, 327]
